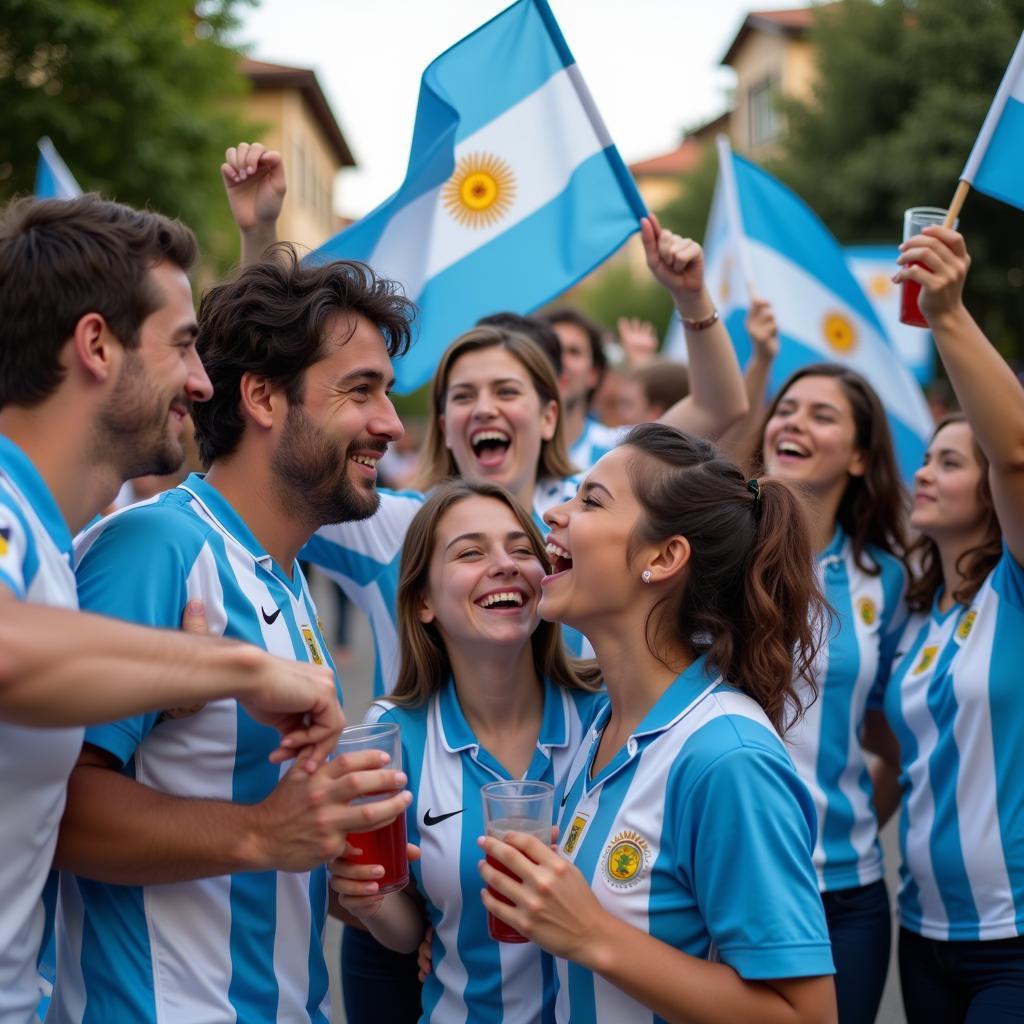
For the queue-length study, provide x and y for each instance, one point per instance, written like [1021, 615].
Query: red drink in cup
[515, 806]
[915, 220]
[387, 845]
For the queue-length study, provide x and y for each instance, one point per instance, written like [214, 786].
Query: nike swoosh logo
[429, 819]
[270, 619]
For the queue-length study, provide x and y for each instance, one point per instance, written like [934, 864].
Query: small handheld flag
[53, 179]
[514, 188]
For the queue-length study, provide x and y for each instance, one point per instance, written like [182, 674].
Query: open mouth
[502, 600]
[560, 559]
[791, 450]
[489, 446]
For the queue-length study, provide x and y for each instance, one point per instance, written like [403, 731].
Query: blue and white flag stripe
[53, 179]
[873, 266]
[994, 166]
[504, 112]
[823, 315]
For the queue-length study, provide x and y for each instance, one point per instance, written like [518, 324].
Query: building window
[764, 117]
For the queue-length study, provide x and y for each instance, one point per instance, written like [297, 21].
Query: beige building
[290, 107]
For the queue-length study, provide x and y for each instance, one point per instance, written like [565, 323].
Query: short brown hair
[438, 463]
[425, 665]
[663, 381]
[270, 319]
[61, 259]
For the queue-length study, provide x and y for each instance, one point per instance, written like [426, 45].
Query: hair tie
[755, 489]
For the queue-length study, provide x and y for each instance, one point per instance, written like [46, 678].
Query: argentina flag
[514, 189]
[763, 238]
[996, 163]
[53, 179]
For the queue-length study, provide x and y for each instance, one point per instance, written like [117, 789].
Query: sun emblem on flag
[880, 286]
[480, 191]
[840, 334]
[625, 859]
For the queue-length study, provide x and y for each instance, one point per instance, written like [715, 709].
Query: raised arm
[717, 399]
[254, 180]
[742, 440]
[990, 395]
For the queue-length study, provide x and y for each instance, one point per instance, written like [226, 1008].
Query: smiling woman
[484, 693]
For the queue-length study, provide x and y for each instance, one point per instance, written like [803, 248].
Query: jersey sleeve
[747, 835]
[1008, 579]
[16, 550]
[358, 552]
[133, 570]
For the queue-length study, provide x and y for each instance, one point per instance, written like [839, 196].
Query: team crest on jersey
[579, 823]
[5, 538]
[963, 631]
[626, 859]
[868, 611]
[314, 651]
[926, 660]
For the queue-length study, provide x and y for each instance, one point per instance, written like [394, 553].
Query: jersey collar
[457, 735]
[235, 527]
[24, 475]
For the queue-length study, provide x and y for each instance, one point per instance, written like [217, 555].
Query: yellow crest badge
[927, 659]
[314, 651]
[626, 859]
[963, 631]
[5, 538]
[579, 823]
[868, 611]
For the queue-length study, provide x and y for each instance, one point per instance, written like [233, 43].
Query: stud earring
[646, 575]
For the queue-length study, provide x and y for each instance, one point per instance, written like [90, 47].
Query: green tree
[136, 95]
[901, 92]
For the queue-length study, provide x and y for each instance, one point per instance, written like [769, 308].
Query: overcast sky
[652, 65]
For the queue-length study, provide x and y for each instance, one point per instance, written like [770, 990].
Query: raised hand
[639, 340]
[254, 180]
[938, 260]
[762, 328]
[678, 264]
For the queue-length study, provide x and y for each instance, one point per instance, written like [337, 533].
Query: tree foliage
[136, 95]
[901, 92]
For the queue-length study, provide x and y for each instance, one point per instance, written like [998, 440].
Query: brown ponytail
[750, 598]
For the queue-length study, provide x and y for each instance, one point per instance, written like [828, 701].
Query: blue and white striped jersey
[698, 831]
[364, 558]
[474, 978]
[35, 565]
[851, 673]
[595, 441]
[244, 947]
[954, 702]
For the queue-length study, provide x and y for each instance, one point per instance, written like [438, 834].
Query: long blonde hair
[425, 666]
[437, 463]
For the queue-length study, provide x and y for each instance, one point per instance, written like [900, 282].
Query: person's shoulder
[733, 726]
[165, 521]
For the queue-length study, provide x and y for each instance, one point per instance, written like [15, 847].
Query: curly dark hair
[270, 320]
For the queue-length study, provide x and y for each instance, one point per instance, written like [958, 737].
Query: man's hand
[678, 265]
[305, 821]
[255, 183]
[294, 697]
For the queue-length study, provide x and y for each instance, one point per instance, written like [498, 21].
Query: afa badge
[963, 631]
[626, 859]
[314, 651]
[926, 660]
[579, 823]
[868, 611]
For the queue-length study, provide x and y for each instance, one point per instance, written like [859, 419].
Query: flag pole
[732, 203]
[959, 197]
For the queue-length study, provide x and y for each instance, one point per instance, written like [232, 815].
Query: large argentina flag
[996, 163]
[763, 237]
[53, 179]
[514, 188]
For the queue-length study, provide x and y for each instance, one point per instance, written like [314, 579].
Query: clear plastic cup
[915, 220]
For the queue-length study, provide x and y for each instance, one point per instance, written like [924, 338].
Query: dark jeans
[961, 982]
[860, 927]
[378, 984]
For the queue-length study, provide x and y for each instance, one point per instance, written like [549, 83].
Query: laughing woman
[955, 700]
[484, 693]
[684, 888]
